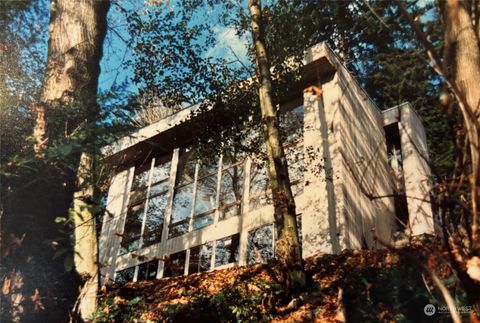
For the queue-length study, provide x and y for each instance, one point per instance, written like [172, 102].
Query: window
[157, 202]
[147, 270]
[206, 195]
[260, 193]
[175, 265]
[260, 245]
[183, 195]
[226, 251]
[200, 258]
[125, 276]
[231, 188]
[149, 210]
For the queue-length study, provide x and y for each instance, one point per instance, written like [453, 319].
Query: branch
[436, 280]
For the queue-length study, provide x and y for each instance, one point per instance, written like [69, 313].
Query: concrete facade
[189, 218]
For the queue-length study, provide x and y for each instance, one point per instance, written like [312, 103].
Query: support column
[114, 221]
[316, 222]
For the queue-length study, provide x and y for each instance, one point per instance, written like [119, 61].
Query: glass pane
[160, 187]
[124, 276]
[227, 250]
[182, 206]
[259, 186]
[147, 270]
[231, 191]
[175, 265]
[161, 170]
[291, 125]
[185, 168]
[260, 245]
[177, 229]
[200, 258]
[139, 187]
[203, 220]
[132, 229]
[155, 218]
[206, 194]
[207, 166]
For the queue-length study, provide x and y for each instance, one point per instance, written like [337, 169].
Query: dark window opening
[147, 270]
[395, 160]
[175, 264]
[394, 147]
[260, 245]
[125, 276]
[226, 251]
[200, 258]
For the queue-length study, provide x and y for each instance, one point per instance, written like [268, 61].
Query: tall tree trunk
[45, 288]
[462, 69]
[85, 244]
[288, 248]
[77, 30]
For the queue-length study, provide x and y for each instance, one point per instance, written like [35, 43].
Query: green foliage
[117, 309]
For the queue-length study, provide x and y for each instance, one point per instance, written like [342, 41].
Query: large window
[260, 244]
[200, 258]
[231, 187]
[147, 205]
[183, 194]
[227, 250]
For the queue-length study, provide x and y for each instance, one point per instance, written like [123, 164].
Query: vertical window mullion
[187, 262]
[214, 250]
[219, 186]
[192, 212]
[170, 194]
[246, 185]
[145, 208]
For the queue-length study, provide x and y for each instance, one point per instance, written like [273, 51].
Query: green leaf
[60, 219]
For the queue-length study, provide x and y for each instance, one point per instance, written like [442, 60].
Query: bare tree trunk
[462, 68]
[44, 287]
[289, 251]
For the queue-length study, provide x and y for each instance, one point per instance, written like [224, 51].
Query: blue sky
[114, 71]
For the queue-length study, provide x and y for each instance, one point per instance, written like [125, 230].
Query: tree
[460, 71]
[65, 115]
[289, 251]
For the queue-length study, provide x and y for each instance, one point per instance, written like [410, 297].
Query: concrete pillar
[416, 172]
[318, 216]
[114, 221]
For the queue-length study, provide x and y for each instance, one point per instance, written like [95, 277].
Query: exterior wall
[416, 170]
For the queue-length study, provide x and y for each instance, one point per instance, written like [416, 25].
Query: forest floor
[354, 286]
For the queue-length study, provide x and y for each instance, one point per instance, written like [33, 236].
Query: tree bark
[75, 47]
[462, 69]
[289, 251]
[85, 245]
[46, 288]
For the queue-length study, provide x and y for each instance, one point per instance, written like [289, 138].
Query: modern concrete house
[357, 173]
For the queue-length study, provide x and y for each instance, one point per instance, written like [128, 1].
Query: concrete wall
[416, 170]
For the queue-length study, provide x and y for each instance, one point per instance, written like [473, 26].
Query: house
[358, 175]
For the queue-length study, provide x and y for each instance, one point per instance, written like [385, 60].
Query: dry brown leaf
[6, 286]
[37, 301]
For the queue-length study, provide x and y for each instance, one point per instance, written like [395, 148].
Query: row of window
[201, 189]
[260, 249]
